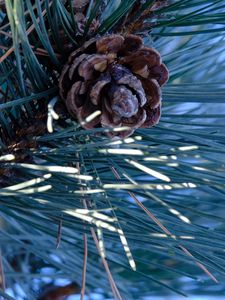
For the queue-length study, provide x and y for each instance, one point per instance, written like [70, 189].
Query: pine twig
[82, 294]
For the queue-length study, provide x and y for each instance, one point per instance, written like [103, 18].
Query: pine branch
[173, 171]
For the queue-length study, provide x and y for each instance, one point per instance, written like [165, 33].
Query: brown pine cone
[117, 75]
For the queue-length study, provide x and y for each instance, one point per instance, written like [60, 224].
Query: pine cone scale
[123, 102]
[107, 118]
[160, 73]
[95, 93]
[132, 43]
[134, 83]
[110, 44]
[75, 64]
[73, 101]
[137, 120]
[152, 116]
[118, 76]
[90, 64]
[152, 88]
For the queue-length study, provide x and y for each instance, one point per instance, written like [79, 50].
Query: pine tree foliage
[132, 216]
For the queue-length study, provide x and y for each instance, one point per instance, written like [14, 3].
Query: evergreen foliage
[145, 211]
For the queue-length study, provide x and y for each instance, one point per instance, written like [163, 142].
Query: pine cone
[118, 76]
